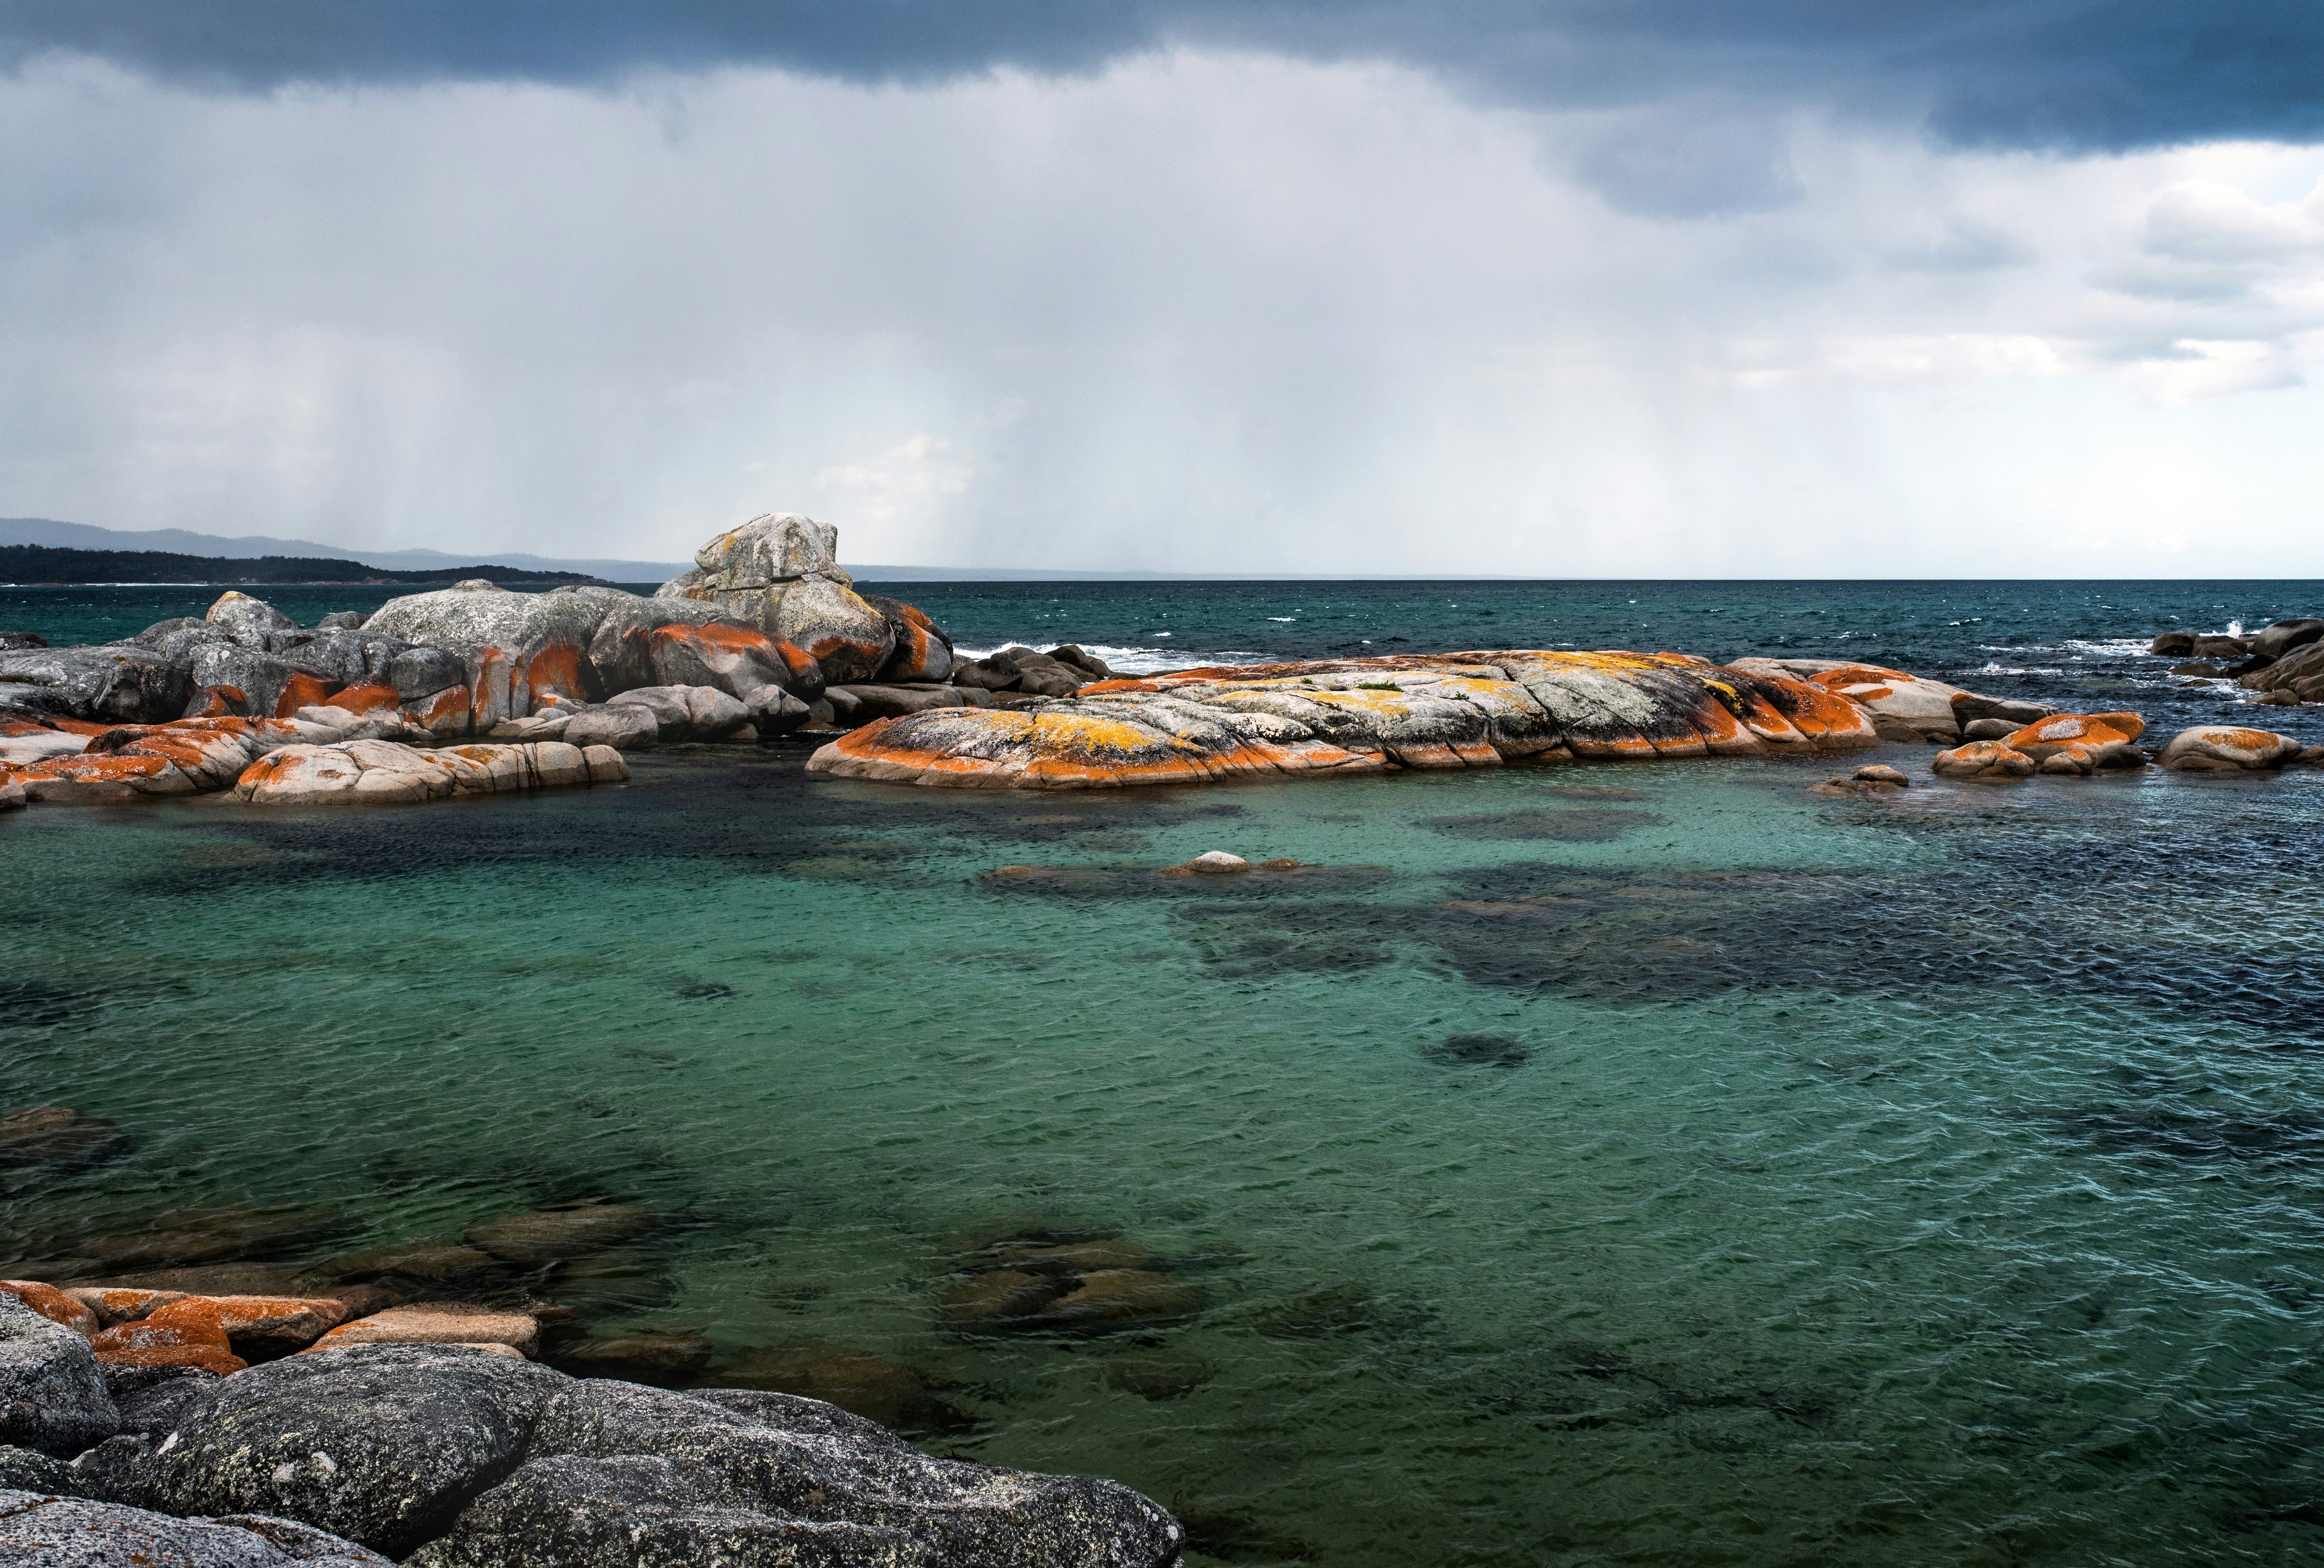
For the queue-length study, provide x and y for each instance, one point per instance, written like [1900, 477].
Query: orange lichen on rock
[1986, 759]
[554, 671]
[301, 690]
[2101, 735]
[366, 699]
[1460, 710]
[219, 1332]
[52, 1304]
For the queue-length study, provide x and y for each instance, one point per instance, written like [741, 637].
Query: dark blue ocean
[1932, 1182]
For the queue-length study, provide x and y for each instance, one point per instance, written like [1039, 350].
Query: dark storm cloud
[2077, 75]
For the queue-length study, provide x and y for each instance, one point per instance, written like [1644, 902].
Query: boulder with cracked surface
[52, 1394]
[1358, 716]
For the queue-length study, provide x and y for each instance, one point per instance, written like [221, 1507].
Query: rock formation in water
[1357, 715]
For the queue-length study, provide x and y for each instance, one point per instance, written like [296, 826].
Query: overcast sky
[1689, 288]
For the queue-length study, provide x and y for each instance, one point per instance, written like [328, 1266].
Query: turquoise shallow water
[1925, 1184]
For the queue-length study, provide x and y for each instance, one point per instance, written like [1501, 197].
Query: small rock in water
[1156, 1376]
[652, 1356]
[1215, 862]
[58, 1135]
[561, 1231]
[856, 1380]
[1284, 863]
[1478, 1051]
[1878, 774]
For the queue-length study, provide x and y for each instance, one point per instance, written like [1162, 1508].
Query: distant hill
[519, 566]
[23, 563]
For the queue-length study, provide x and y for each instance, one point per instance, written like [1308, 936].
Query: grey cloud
[2074, 75]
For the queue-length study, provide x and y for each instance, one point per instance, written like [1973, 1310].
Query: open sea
[1611, 1162]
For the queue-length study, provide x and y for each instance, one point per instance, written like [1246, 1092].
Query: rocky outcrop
[73, 1532]
[2274, 642]
[454, 1457]
[2226, 749]
[384, 773]
[1904, 706]
[53, 1396]
[780, 574]
[2299, 674]
[1350, 716]
[1060, 672]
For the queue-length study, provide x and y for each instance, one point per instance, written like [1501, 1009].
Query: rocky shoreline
[475, 690]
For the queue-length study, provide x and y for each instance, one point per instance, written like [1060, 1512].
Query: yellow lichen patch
[1089, 732]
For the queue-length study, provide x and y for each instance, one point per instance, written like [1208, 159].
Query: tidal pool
[1594, 1164]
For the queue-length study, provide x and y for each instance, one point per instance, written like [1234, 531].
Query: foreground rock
[53, 1396]
[1352, 716]
[69, 1532]
[456, 1458]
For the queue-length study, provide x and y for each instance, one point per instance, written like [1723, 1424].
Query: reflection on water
[1578, 1165]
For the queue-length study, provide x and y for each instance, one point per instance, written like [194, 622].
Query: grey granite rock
[639, 1511]
[383, 1444]
[52, 1398]
[248, 621]
[961, 1513]
[151, 1399]
[2274, 642]
[31, 1471]
[68, 1532]
[116, 681]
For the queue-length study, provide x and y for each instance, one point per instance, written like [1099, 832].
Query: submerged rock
[1478, 1051]
[58, 1135]
[859, 1381]
[562, 1230]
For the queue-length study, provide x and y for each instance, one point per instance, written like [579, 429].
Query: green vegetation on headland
[32, 563]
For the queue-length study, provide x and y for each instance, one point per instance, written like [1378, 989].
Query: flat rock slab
[1358, 716]
[385, 772]
[439, 1322]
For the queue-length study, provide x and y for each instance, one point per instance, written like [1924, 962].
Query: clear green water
[1936, 1184]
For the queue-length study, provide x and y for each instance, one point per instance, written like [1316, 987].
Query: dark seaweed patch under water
[1573, 825]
